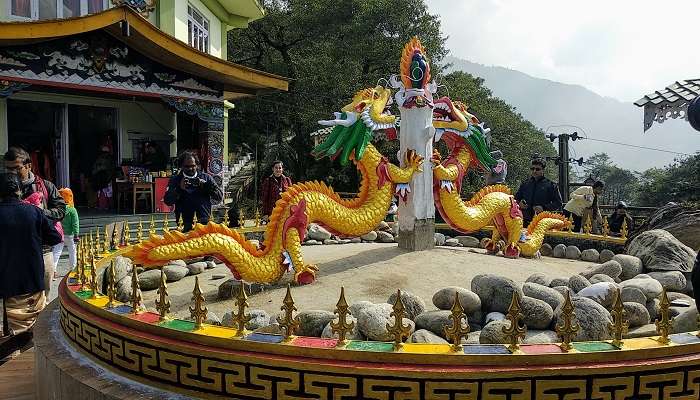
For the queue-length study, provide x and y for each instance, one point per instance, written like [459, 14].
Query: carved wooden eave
[127, 26]
[671, 102]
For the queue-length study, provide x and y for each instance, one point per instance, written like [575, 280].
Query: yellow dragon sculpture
[303, 203]
[464, 136]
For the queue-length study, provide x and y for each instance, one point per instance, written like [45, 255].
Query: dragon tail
[541, 223]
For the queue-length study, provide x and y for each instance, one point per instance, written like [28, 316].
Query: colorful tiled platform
[212, 362]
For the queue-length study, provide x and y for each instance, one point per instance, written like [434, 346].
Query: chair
[145, 189]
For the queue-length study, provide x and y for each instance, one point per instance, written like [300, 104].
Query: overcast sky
[618, 48]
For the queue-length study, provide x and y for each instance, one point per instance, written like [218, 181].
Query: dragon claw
[307, 275]
[512, 251]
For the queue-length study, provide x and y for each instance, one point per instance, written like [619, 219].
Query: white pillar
[417, 214]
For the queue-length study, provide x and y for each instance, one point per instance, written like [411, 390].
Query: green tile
[590, 347]
[178, 324]
[370, 346]
[84, 294]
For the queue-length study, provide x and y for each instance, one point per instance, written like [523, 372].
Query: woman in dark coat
[272, 188]
[23, 230]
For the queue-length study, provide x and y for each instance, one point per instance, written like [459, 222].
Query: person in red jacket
[272, 188]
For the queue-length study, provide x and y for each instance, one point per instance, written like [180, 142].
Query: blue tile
[485, 349]
[123, 309]
[684, 338]
[265, 338]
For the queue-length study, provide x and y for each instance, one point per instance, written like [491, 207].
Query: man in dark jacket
[17, 161]
[192, 191]
[24, 229]
[538, 193]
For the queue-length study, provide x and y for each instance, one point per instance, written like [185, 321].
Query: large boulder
[591, 317]
[687, 321]
[539, 337]
[197, 268]
[605, 255]
[372, 322]
[654, 307]
[174, 273]
[122, 268]
[611, 268]
[637, 314]
[494, 316]
[572, 253]
[492, 333]
[602, 293]
[540, 278]
[149, 280]
[631, 294]
[312, 322]
[439, 239]
[385, 237]
[413, 304]
[495, 292]
[355, 308]
[546, 250]
[601, 278]
[544, 293]
[590, 255]
[317, 232]
[631, 265]
[561, 281]
[559, 251]
[434, 321]
[425, 336]
[661, 251]
[578, 283]
[682, 221]
[537, 314]
[354, 334]
[468, 241]
[123, 289]
[258, 319]
[444, 298]
[650, 287]
[671, 280]
[370, 236]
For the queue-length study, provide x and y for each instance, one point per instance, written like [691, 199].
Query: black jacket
[23, 230]
[542, 192]
[199, 200]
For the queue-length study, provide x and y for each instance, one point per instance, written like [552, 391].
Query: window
[197, 30]
[52, 9]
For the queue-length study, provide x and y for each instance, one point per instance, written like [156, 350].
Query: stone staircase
[239, 176]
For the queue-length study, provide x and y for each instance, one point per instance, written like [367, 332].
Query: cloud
[620, 48]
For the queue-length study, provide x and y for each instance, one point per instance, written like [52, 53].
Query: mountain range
[557, 107]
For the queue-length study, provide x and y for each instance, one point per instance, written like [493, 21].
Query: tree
[677, 182]
[329, 50]
[514, 136]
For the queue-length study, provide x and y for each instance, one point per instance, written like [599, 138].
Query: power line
[638, 147]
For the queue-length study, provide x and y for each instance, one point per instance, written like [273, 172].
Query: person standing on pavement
[17, 161]
[272, 188]
[192, 191]
[538, 193]
[24, 231]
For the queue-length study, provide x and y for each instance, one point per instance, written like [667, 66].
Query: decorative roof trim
[671, 102]
[238, 80]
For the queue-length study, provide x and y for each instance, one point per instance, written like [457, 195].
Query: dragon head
[373, 104]
[354, 127]
[459, 129]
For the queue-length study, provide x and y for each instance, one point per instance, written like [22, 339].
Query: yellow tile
[640, 343]
[216, 331]
[99, 302]
[426, 348]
